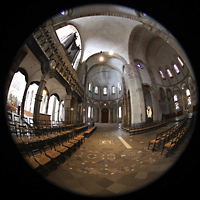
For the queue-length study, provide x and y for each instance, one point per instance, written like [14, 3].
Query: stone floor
[106, 165]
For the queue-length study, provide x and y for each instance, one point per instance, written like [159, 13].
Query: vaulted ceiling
[104, 33]
[129, 34]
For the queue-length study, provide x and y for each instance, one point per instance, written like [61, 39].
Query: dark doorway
[104, 115]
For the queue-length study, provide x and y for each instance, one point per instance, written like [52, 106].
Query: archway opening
[104, 115]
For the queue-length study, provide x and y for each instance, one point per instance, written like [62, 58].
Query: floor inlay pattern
[103, 166]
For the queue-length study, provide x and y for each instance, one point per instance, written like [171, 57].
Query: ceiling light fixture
[111, 53]
[101, 58]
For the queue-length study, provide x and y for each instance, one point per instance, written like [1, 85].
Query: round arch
[107, 56]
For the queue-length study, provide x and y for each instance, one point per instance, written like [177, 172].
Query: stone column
[68, 108]
[23, 100]
[117, 114]
[157, 109]
[136, 95]
[99, 114]
[38, 97]
[109, 115]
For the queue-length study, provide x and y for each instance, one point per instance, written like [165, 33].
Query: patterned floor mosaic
[103, 166]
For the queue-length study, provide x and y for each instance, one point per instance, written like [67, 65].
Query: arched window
[96, 90]
[105, 91]
[169, 73]
[138, 65]
[89, 111]
[30, 97]
[69, 37]
[53, 107]
[188, 92]
[180, 61]
[90, 87]
[119, 86]
[176, 102]
[161, 73]
[120, 112]
[113, 89]
[188, 97]
[44, 102]
[16, 90]
[176, 69]
[62, 111]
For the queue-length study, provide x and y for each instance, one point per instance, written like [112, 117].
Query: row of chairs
[171, 144]
[163, 137]
[46, 151]
[39, 126]
[143, 128]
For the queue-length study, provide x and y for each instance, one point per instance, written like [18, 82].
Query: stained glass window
[188, 95]
[176, 102]
[96, 90]
[176, 68]
[175, 98]
[90, 87]
[189, 100]
[169, 73]
[120, 112]
[105, 90]
[119, 86]
[16, 89]
[113, 89]
[176, 105]
[138, 65]
[89, 110]
[180, 61]
[161, 73]
[188, 92]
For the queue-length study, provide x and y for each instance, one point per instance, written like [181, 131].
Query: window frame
[169, 72]
[106, 91]
[114, 90]
[97, 90]
[180, 61]
[160, 71]
[120, 88]
[90, 87]
[176, 69]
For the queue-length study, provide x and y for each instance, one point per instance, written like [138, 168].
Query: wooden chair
[53, 154]
[32, 162]
[44, 161]
[70, 146]
[169, 146]
[156, 142]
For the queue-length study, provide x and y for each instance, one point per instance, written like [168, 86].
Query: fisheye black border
[18, 21]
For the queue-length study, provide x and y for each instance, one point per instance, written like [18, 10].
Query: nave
[97, 99]
[104, 165]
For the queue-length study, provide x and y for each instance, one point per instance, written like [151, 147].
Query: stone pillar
[23, 100]
[155, 105]
[183, 99]
[68, 108]
[136, 95]
[109, 115]
[167, 106]
[99, 114]
[118, 114]
[74, 112]
[38, 97]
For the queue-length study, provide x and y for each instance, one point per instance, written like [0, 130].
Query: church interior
[101, 100]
